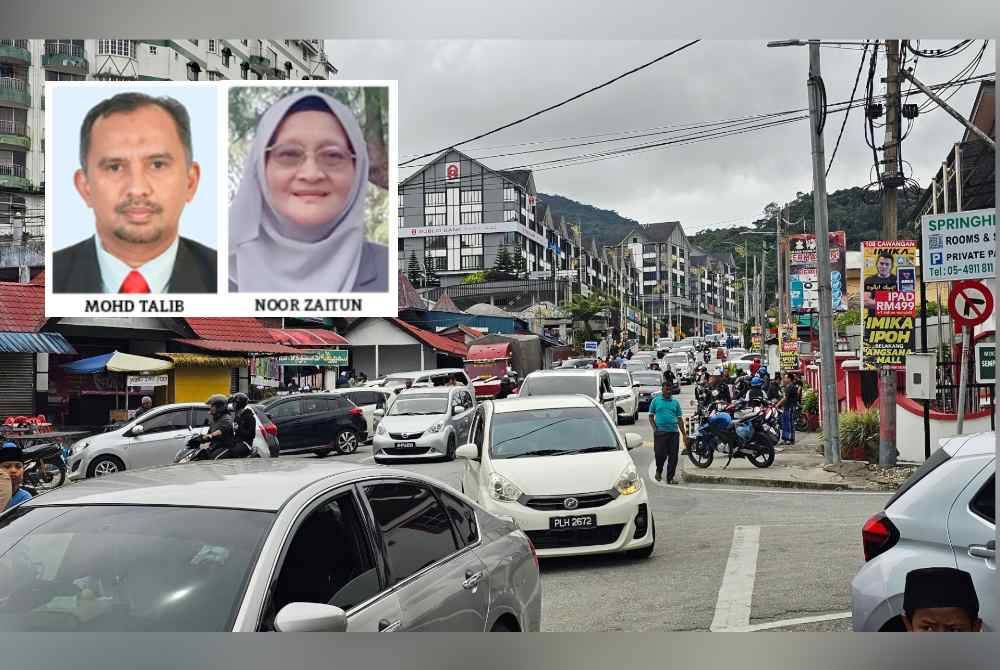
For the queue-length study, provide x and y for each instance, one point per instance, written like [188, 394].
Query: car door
[471, 473]
[317, 420]
[462, 421]
[972, 530]
[332, 557]
[287, 416]
[163, 435]
[442, 584]
[604, 386]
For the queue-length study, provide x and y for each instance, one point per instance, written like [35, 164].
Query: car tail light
[271, 428]
[878, 535]
[357, 411]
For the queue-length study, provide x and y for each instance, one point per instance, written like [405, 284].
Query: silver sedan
[264, 545]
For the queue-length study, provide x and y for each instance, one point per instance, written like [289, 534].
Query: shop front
[197, 376]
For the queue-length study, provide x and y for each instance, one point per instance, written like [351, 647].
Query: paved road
[725, 559]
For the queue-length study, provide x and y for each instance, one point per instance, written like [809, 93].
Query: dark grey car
[263, 545]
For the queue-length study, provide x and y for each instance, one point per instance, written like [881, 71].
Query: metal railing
[74, 50]
[17, 44]
[13, 83]
[8, 127]
[12, 170]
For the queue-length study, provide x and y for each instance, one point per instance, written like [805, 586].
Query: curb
[764, 483]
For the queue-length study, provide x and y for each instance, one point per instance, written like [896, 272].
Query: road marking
[789, 622]
[732, 609]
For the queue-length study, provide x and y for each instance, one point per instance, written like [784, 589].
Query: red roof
[240, 346]
[307, 337]
[238, 329]
[433, 340]
[408, 296]
[22, 307]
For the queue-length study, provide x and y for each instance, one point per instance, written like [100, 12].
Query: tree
[475, 278]
[503, 268]
[430, 276]
[520, 262]
[583, 308]
[413, 272]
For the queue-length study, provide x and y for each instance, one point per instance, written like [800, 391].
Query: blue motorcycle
[749, 437]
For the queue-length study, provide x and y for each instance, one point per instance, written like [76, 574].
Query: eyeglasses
[329, 159]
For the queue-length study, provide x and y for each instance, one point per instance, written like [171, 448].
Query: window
[472, 262]
[510, 215]
[328, 561]
[434, 199]
[464, 518]
[116, 48]
[314, 405]
[63, 76]
[436, 243]
[364, 397]
[479, 430]
[152, 50]
[244, 42]
[285, 409]
[434, 263]
[435, 220]
[415, 527]
[472, 217]
[985, 504]
[509, 194]
[164, 422]
[472, 242]
[472, 197]
[194, 42]
[215, 76]
[509, 239]
[213, 46]
[201, 417]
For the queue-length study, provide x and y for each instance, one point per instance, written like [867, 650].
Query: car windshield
[674, 359]
[126, 568]
[559, 385]
[647, 379]
[551, 432]
[620, 379]
[410, 405]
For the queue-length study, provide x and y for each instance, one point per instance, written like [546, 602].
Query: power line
[560, 104]
[843, 125]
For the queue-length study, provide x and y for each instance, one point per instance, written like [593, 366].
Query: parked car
[264, 545]
[317, 422]
[594, 384]
[436, 377]
[425, 423]
[576, 364]
[648, 384]
[561, 470]
[151, 439]
[944, 515]
[369, 400]
[627, 393]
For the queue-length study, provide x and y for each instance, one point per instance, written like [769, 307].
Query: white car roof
[977, 444]
[258, 484]
[567, 372]
[424, 373]
[542, 402]
[432, 390]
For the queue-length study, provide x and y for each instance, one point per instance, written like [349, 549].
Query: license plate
[406, 445]
[573, 522]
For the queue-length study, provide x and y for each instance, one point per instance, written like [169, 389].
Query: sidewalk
[797, 467]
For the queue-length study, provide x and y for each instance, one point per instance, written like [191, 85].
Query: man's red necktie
[134, 283]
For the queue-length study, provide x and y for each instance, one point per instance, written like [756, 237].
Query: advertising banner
[889, 302]
[803, 286]
[959, 245]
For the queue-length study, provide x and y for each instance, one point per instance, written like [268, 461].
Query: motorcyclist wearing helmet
[245, 423]
[221, 433]
[756, 396]
[719, 387]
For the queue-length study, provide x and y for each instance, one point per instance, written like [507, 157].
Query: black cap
[940, 587]
[11, 452]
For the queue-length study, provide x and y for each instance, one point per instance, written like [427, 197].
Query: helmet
[718, 372]
[762, 371]
[757, 381]
[217, 399]
[239, 401]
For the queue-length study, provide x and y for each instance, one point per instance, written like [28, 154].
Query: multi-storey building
[25, 66]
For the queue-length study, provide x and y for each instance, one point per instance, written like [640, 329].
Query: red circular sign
[970, 302]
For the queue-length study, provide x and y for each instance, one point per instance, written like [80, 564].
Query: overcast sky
[452, 90]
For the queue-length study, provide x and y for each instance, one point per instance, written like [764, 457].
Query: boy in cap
[940, 600]
[12, 470]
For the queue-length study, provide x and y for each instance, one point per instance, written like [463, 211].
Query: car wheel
[646, 552]
[105, 465]
[502, 627]
[346, 441]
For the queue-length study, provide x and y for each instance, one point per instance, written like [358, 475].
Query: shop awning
[116, 361]
[239, 347]
[205, 360]
[39, 343]
[308, 337]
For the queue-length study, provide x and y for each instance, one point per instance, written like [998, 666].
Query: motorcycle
[44, 467]
[196, 450]
[750, 437]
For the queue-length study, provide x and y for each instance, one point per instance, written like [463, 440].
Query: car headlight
[381, 429]
[629, 481]
[503, 489]
[436, 428]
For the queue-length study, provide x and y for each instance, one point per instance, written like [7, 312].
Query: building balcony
[14, 177]
[14, 136]
[259, 64]
[65, 58]
[15, 52]
[14, 93]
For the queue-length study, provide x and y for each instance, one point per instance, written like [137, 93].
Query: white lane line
[790, 622]
[732, 609]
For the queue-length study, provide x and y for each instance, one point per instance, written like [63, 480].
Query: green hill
[604, 225]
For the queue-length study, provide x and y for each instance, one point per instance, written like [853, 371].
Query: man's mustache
[138, 204]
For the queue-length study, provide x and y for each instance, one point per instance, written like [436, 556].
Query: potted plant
[859, 435]
[810, 409]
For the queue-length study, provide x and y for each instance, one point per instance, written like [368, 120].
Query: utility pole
[828, 373]
[763, 304]
[887, 397]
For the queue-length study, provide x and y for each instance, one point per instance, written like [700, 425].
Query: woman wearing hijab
[297, 222]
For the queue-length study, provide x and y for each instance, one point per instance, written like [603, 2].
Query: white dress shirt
[156, 272]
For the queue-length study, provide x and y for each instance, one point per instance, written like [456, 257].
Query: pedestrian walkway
[800, 466]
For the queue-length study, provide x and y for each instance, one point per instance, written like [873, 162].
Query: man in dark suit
[137, 173]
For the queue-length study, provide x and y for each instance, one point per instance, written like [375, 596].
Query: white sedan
[560, 469]
[626, 395]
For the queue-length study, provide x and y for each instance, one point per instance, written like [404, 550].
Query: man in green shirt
[665, 418]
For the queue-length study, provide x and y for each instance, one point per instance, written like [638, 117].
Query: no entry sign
[970, 303]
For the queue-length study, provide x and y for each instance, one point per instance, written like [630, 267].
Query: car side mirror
[458, 409]
[633, 440]
[379, 413]
[469, 452]
[310, 618]
[137, 430]
[608, 396]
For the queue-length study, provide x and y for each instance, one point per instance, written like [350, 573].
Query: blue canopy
[116, 361]
[89, 366]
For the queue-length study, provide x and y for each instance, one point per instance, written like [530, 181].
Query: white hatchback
[561, 470]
